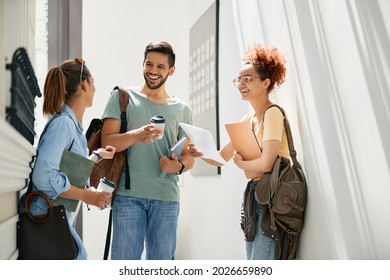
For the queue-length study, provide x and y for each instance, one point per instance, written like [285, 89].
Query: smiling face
[250, 85]
[156, 69]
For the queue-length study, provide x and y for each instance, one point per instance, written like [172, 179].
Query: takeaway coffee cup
[106, 185]
[159, 122]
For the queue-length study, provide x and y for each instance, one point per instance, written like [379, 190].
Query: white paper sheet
[203, 141]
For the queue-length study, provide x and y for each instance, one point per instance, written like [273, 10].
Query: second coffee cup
[106, 185]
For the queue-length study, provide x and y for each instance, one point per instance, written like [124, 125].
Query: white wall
[2, 70]
[115, 34]
[210, 214]
[17, 30]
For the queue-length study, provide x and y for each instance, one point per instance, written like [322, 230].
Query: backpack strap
[108, 234]
[290, 141]
[124, 101]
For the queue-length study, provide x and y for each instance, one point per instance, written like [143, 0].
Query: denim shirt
[62, 133]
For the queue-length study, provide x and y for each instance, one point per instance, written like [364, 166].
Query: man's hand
[168, 165]
[146, 134]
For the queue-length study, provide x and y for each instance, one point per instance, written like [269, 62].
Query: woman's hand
[98, 199]
[106, 153]
[238, 159]
[192, 151]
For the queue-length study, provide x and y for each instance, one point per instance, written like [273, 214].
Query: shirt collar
[68, 111]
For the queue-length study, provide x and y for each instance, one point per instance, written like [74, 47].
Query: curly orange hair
[269, 64]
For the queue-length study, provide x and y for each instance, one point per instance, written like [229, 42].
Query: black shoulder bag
[46, 236]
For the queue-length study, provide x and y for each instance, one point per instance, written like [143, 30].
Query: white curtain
[337, 98]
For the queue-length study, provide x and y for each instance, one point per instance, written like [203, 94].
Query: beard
[152, 84]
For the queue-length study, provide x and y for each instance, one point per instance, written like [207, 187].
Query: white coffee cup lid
[108, 182]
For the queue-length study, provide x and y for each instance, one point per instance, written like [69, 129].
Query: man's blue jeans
[139, 220]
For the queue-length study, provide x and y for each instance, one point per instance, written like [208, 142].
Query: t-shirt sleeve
[273, 124]
[112, 109]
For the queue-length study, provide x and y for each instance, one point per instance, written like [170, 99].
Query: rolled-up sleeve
[46, 175]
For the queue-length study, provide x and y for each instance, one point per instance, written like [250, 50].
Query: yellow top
[272, 128]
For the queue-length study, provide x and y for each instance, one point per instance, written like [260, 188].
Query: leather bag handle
[293, 152]
[27, 204]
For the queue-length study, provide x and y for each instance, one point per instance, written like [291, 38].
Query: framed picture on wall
[204, 80]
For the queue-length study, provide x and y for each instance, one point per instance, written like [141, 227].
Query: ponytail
[54, 92]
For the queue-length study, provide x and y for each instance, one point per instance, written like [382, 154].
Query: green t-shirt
[144, 159]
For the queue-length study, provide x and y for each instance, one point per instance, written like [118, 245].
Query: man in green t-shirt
[148, 211]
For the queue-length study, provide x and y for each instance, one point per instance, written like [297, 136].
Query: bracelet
[181, 169]
[99, 157]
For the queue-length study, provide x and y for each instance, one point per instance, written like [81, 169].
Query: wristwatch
[181, 169]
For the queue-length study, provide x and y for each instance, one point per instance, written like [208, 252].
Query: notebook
[78, 170]
[177, 149]
[244, 140]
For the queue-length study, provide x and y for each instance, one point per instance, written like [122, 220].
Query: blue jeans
[263, 247]
[137, 221]
[82, 252]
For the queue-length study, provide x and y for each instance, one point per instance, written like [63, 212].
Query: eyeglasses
[81, 61]
[244, 79]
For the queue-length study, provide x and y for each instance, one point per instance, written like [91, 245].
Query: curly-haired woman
[263, 69]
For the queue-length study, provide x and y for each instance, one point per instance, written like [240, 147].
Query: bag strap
[276, 168]
[124, 100]
[290, 141]
[30, 197]
[29, 188]
[108, 236]
[39, 219]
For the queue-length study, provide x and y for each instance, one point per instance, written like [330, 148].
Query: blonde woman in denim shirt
[68, 91]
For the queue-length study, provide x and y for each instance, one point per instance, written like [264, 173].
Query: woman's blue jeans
[263, 247]
[139, 221]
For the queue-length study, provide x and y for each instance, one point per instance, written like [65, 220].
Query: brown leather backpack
[110, 168]
[283, 192]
